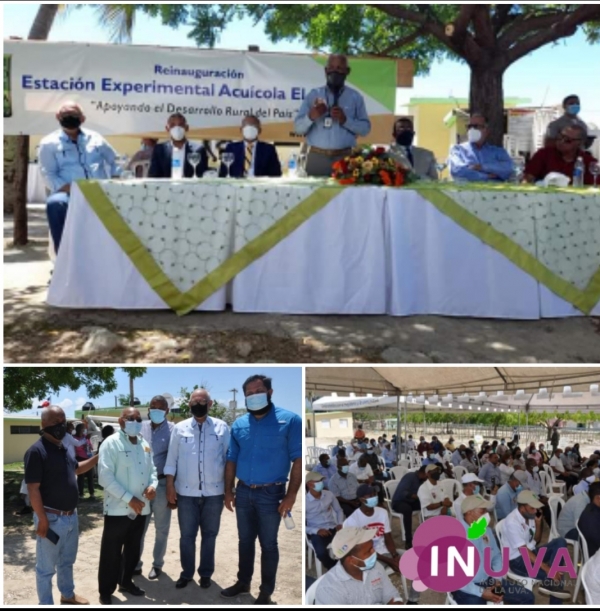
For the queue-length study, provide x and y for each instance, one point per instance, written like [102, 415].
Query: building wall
[330, 425]
[15, 446]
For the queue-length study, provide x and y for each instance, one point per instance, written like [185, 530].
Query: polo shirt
[263, 449]
[557, 464]
[430, 495]
[361, 474]
[338, 588]
[379, 522]
[518, 532]
[54, 469]
[344, 487]
[548, 160]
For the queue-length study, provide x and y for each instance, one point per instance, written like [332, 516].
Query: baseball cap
[348, 538]
[313, 476]
[526, 497]
[364, 490]
[474, 501]
[521, 476]
[431, 468]
[469, 478]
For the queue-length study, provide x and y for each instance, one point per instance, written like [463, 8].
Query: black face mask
[336, 80]
[263, 411]
[199, 410]
[71, 122]
[405, 138]
[436, 476]
[58, 431]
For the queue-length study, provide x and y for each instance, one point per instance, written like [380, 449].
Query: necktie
[248, 160]
[410, 156]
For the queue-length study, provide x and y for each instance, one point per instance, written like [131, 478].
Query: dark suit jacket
[266, 160]
[162, 160]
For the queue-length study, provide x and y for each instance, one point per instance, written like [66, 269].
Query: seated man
[490, 473]
[339, 445]
[325, 468]
[468, 463]
[471, 486]
[252, 157]
[341, 453]
[534, 483]
[562, 157]
[362, 470]
[450, 445]
[572, 107]
[483, 588]
[388, 456]
[590, 519]
[434, 501]
[478, 161]
[324, 517]
[457, 455]
[506, 498]
[423, 161]
[70, 154]
[562, 473]
[344, 486]
[357, 579]
[406, 499]
[586, 478]
[522, 530]
[571, 512]
[171, 159]
[143, 155]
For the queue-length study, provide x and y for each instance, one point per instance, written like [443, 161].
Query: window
[344, 424]
[326, 424]
[24, 430]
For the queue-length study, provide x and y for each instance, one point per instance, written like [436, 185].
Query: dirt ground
[19, 564]
[36, 333]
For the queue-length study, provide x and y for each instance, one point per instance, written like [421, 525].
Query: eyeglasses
[474, 126]
[568, 140]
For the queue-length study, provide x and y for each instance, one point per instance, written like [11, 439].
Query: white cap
[469, 478]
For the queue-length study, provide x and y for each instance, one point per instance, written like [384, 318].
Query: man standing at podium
[332, 118]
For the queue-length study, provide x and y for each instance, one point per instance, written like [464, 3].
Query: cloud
[65, 404]
[80, 401]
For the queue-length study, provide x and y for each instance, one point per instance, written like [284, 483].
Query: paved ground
[36, 333]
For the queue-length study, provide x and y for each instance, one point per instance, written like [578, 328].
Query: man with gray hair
[51, 477]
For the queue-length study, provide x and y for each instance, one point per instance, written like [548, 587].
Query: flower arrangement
[373, 166]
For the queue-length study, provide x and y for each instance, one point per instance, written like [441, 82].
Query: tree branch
[461, 23]
[502, 16]
[402, 42]
[484, 29]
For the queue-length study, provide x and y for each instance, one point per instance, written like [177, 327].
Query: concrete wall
[15, 446]
[330, 425]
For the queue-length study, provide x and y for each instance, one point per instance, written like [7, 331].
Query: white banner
[129, 90]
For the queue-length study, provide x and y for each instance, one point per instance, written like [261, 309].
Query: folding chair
[585, 557]
[527, 582]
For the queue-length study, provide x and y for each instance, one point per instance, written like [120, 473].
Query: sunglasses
[568, 140]
[132, 419]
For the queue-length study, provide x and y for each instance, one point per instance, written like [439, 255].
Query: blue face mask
[574, 109]
[327, 463]
[369, 562]
[319, 486]
[157, 416]
[133, 429]
[431, 456]
[477, 490]
[257, 402]
[371, 502]
[519, 488]
[345, 469]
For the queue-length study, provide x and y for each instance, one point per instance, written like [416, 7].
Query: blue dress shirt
[493, 160]
[338, 136]
[506, 501]
[326, 472]
[324, 512]
[264, 449]
[158, 439]
[63, 161]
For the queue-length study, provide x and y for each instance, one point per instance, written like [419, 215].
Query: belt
[56, 512]
[162, 477]
[254, 486]
[331, 153]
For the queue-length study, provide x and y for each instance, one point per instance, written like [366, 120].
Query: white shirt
[410, 444]
[71, 443]
[505, 473]
[518, 532]
[379, 521]
[430, 495]
[361, 474]
[557, 463]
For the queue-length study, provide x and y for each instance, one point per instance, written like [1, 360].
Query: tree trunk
[42, 24]
[21, 232]
[487, 98]
[131, 393]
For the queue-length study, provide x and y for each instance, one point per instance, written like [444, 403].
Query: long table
[312, 247]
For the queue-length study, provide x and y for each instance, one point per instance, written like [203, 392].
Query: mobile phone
[52, 536]
[538, 513]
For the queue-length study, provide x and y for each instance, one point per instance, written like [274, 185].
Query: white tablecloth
[36, 188]
[369, 251]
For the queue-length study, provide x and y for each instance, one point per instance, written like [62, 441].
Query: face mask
[144, 147]
[133, 429]
[502, 441]
[536, 469]
[370, 451]
[405, 138]
[371, 502]
[340, 444]
[361, 468]
[327, 463]
[157, 416]
[574, 109]
[58, 431]
[519, 488]
[199, 410]
[257, 402]
[336, 80]
[177, 134]
[369, 562]
[71, 122]
[517, 457]
[436, 476]
[250, 133]
[84, 433]
[477, 490]
[474, 135]
[529, 516]
[345, 469]
[431, 456]
[319, 486]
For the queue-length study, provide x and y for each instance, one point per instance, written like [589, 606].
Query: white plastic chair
[144, 166]
[398, 472]
[562, 486]
[547, 489]
[554, 502]
[450, 488]
[527, 582]
[404, 462]
[458, 472]
[389, 490]
[310, 554]
[311, 593]
[585, 558]
[584, 580]
[390, 571]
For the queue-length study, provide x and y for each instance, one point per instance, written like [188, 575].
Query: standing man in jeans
[195, 471]
[264, 443]
[157, 433]
[51, 477]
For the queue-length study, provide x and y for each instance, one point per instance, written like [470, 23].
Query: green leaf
[477, 529]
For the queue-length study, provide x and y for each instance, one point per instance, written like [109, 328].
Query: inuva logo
[444, 559]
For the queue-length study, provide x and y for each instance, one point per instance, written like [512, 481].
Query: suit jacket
[266, 160]
[162, 160]
[425, 163]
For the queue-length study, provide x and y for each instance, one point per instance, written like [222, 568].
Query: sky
[287, 386]
[547, 76]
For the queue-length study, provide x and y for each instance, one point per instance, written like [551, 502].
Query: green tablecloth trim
[583, 300]
[184, 303]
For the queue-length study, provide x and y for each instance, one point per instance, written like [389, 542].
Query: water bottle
[289, 521]
[293, 166]
[131, 514]
[176, 168]
[579, 173]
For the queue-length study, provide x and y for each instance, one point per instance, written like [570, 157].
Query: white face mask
[177, 134]
[475, 135]
[250, 133]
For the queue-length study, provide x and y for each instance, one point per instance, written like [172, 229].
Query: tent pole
[424, 423]
[519, 427]
[312, 405]
[405, 430]
[526, 425]
[398, 428]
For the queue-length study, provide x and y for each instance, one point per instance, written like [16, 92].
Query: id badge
[328, 123]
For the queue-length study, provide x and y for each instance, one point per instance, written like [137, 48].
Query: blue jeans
[162, 523]
[320, 546]
[59, 559]
[56, 210]
[203, 513]
[513, 595]
[257, 513]
[518, 566]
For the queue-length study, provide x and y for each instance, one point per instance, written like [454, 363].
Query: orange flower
[347, 181]
[399, 179]
[385, 177]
